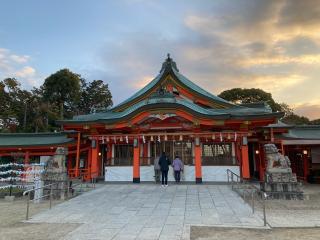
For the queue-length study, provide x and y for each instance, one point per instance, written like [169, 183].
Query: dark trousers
[164, 177]
[177, 176]
[157, 175]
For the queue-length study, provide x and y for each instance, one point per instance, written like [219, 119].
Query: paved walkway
[146, 211]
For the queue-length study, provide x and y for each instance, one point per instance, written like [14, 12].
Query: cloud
[276, 60]
[17, 66]
[143, 82]
[299, 45]
[310, 110]
[19, 59]
[25, 72]
[300, 14]
[260, 44]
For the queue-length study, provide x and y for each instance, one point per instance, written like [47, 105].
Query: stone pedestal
[9, 198]
[280, 182]
[56, 172]
[38, 193]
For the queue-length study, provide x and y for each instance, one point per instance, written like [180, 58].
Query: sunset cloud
[273, 45]
[25, 72]
[308, 109]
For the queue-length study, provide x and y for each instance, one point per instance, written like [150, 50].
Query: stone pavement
[148, 211]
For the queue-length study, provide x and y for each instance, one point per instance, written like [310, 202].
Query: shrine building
[172, 114]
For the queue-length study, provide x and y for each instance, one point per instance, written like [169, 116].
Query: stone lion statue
[276, 161]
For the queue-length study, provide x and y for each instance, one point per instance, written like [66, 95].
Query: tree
[315, 122]
[243, 95]
[239, 95]
[63, 89]
[13, 104]
[295, 119]
[94, 96]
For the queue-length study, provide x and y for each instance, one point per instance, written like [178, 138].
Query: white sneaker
[166, 185]
[162, 185]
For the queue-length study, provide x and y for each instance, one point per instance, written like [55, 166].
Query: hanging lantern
[127, 139]
[159, 140]
[180, 138]
[151, 138]
[121, 139]
[235, 136]
[165, 137]
[221, 139]
[143, 139]
[103, 140]
[229, 136]
[108, 139]
[213, 137]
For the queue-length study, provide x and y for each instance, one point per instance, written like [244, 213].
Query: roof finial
[169, 63]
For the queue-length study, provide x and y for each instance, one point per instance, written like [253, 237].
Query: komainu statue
[277, 163]
[279, 181]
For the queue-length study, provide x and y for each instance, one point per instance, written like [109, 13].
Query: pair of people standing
[164, 163]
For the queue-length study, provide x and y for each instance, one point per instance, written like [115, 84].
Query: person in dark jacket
[164, 163]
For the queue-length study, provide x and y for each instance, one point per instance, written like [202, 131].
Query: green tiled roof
[303, 132]
[170, 100]
[33, 139]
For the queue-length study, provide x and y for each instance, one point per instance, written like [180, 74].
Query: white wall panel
[209, 173]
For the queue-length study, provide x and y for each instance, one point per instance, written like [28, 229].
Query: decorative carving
[162, 116]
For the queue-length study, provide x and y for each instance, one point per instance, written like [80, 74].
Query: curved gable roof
[149, 99]
[169, 67]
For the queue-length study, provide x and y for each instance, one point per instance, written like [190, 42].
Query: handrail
[25, 192]
[69, 187]
[33, 190]
[253, 188]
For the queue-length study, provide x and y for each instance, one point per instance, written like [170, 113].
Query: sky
[273, 45]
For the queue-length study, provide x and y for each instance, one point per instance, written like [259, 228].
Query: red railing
[82, 172]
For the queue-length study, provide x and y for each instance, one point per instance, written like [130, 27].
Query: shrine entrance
[172, 149]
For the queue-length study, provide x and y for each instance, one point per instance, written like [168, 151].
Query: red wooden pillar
[136, 161]
[245, 158]
[262, 164]
[282, 148]
[26, 162]
[271, 135]
[197, 158]
[27, 158]
[89, 162]
[77, 155]
[109, 154]
[145, 154]
[238, 155]
[94, 158]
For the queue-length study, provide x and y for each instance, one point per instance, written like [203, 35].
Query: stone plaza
[148, 211]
